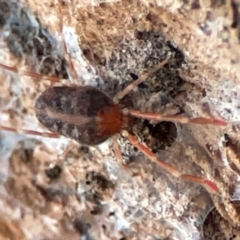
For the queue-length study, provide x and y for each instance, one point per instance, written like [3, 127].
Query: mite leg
[29, 73]
[141, 79]
[211, 186]
[118, 154]
[70, 146]
[30, 132]
[177, 119]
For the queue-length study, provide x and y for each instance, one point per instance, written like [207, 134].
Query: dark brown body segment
[80, 113]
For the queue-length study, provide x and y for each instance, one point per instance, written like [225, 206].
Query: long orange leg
[118, 154]
[158, 117]
[141, 79]
[70, 146]
[30, 132]
[178, 119]
[147, 152]
[29, 73]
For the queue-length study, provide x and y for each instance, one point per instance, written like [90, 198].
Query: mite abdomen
[81, 113]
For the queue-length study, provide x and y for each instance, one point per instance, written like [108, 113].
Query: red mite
[89, 116]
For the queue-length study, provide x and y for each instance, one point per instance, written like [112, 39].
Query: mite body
[82, 113]
[89, 116]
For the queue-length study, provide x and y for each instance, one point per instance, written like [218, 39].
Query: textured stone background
[88, 193]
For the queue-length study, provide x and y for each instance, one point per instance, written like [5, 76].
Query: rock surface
[88, 192]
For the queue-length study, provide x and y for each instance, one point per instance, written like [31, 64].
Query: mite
[84, 114]
[90, 117]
